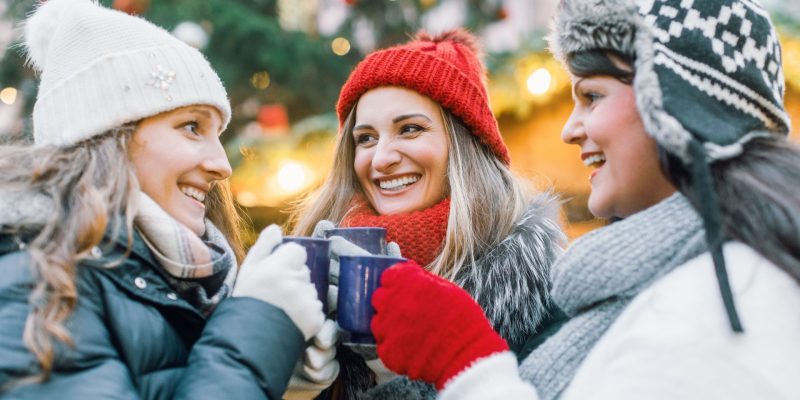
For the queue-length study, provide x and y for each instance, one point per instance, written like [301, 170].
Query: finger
[333, 274]
[292, 255]
[269, 238]
[327, 336]
[379, 298]
[333, 297]
[321, 227]
[325, 374]
[342, 247]
[316, 358]
[393, 249]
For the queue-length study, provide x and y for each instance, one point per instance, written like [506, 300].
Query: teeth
[193, 193]
[399, 182]
[594, 159]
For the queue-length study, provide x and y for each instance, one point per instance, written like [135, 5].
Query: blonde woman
[420, 154]
[119, 242]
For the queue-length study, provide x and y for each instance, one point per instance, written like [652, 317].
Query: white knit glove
[318, 368]
[282, 279]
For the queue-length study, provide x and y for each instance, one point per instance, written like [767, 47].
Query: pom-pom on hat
[102, 68]
[446, 68]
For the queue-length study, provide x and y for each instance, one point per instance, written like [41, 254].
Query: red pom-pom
[458, 35]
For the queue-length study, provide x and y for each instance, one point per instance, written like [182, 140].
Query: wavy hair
[89, 186]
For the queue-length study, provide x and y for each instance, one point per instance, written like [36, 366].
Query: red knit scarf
[420, 234]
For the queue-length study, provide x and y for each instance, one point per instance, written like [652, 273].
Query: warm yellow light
[8, 95]
[260, 80]
[292, 177]
[340, 46]
[539, 81]
[246, 199]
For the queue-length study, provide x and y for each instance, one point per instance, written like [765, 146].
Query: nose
[386, 156]
[573, 131]
[215, 162]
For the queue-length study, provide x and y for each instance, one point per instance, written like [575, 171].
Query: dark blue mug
[371, 239]
[318, 263]
[359, 277]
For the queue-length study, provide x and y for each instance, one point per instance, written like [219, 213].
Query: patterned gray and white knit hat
[708, 79]
[708, 70]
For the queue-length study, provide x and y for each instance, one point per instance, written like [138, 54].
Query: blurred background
[284, 61]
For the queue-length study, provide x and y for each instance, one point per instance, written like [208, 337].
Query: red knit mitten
[427, 327]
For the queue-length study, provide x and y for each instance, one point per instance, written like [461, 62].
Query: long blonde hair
[477, 180]
[90, 185]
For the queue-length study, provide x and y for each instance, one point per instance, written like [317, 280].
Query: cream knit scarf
[193, 264]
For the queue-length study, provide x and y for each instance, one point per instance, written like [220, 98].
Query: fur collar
[511, 282]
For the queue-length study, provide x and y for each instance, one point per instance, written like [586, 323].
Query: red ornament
[274, 119]
[502, 13]
[133, 7]
[351, 2]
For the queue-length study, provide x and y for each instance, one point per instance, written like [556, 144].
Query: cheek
[361, 164]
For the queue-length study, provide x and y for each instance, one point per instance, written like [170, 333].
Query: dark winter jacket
[511, 283]
[135, 339]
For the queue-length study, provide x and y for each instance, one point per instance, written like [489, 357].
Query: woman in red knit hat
[421, 155]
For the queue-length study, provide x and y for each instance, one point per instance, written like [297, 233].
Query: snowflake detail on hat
[729, 30]
[161, 79]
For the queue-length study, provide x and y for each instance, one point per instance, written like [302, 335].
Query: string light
[8, 95]
[340, 46]
[292, 177]
[539, 81]
[260, 80]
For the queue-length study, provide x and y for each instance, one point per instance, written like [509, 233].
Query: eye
[192, 127]
[365, 139]
[590, 97]
[412, 129]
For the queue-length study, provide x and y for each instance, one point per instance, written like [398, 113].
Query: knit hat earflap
[708, 79]
[102, 68]
[446, 68]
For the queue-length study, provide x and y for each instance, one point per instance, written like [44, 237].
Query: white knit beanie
[102, 68]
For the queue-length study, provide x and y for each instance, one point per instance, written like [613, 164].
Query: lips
[594, 160]
[395, 183]
[193, 192]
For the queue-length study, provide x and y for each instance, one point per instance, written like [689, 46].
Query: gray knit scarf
[600, 274]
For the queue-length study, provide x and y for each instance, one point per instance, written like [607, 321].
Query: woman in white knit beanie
[119, 240]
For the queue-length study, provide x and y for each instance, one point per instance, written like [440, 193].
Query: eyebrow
[409, 116]
[203, 113]
[394, 121]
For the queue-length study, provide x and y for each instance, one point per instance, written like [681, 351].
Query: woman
[694, 292]
[118, 236]
[420, 154]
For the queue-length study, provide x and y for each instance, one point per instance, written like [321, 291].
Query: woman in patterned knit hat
[420, 154]
[694, 293]
[118, 238]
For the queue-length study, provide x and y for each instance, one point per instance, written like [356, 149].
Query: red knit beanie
[445, 68]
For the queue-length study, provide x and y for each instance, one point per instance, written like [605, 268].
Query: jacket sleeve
[248, 350]
[492, 377]
[90, 369]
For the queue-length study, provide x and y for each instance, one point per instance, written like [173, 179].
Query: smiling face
[605, 123]
[177, 157]
[401, 150]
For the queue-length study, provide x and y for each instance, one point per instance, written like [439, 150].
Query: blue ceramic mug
[359, 277]
[371, 239]
[318, 263]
